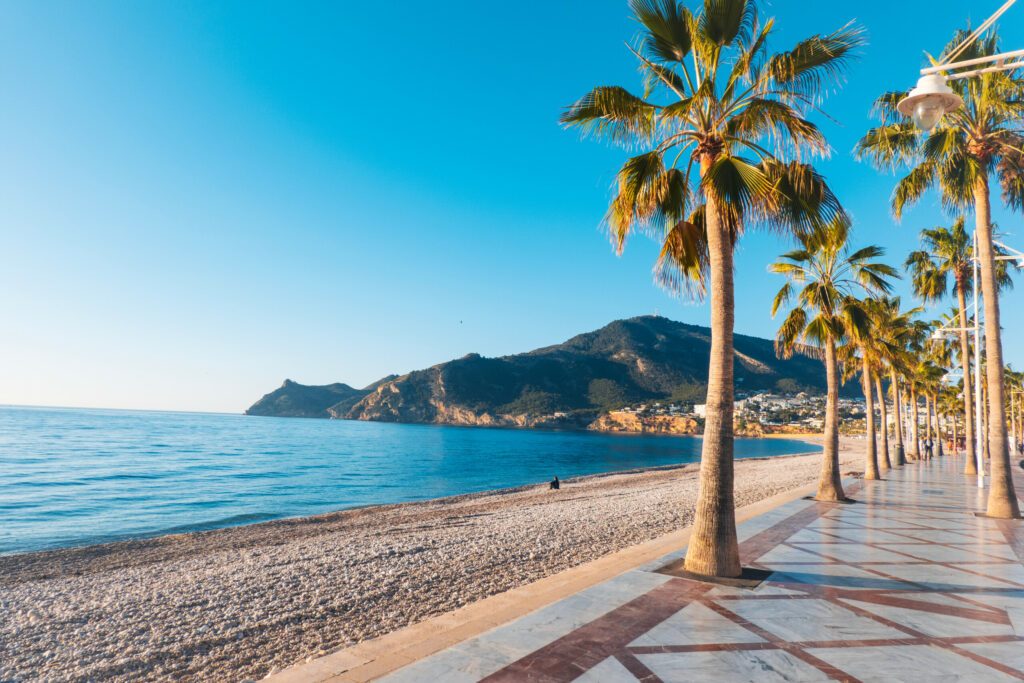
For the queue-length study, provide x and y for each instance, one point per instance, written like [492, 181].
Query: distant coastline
[645, 375]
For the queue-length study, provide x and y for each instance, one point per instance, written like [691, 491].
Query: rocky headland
[573, 385]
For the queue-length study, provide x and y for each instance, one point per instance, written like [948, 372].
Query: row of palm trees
[722, 142]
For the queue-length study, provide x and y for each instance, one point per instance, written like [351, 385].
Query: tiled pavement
[905, 585]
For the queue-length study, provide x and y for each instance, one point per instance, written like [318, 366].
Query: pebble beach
[238, 604]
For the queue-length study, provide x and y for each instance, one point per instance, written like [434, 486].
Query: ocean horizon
[81, 476]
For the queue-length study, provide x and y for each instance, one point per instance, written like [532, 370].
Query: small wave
[233, 520]
[125, 476]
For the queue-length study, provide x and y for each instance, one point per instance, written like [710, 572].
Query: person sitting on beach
[555, 484]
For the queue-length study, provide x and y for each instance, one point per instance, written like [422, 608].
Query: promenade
[905, 585]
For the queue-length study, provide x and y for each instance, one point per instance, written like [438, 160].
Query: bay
[71, 477]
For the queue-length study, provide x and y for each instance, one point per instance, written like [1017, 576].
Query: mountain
[648, 358]
[292, 399]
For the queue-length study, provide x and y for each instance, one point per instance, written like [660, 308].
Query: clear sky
[198, 200]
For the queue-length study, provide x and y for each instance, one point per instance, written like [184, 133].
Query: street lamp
[929, 101]
[932, 98]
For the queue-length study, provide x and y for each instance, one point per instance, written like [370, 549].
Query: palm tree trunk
[1002, 499]
[900, 454]
[885, 462]
[928, 423]
[871, 463]
[985, 420]
[970, 465]
[956, 437]
[915, 434]
[830, 485]
[713, 549]
[939, 427]
[905, 425]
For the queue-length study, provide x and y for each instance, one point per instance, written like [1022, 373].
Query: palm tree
[947, 251]
[915, 376]
[931, 374]
[951, 405]
[979, 141]
[723, 154]
[894, 328]
[823, 280]
[866, 351]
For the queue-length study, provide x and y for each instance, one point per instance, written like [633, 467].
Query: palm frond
[724, 21]
[912, 187]
[611, 112]
[889, 145]
[683, 261]
[817, 61]
[667, 23]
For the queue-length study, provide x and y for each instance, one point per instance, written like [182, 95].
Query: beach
[237, 604]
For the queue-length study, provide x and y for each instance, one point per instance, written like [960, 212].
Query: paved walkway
[906, 585]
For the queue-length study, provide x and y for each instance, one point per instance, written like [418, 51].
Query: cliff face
[570, 384]
[619, 421]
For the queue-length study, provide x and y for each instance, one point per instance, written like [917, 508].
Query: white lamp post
[932, 98]
[929, 101]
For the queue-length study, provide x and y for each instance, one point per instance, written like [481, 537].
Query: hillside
[569, 384]
[292, 399]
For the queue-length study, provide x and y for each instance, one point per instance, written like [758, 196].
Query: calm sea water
[74, 477]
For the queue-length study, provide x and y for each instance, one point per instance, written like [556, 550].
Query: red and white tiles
[905, 585]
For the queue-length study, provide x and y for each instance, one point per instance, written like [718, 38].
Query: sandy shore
[236, 604]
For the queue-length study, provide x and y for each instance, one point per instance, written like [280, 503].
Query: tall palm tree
[894, 327]
[721, 131]
[931, 374]
[865, 352]
[980, 141]
[823, 281]
[948, 251]
[915, 376]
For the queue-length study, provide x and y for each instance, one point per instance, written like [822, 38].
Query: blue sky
[198, 199]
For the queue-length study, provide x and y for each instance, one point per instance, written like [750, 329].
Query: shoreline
[127, 543]
[243, 601]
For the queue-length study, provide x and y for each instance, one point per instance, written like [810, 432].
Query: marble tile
[787, 554]
[1013, 573]
[812, 619]
[908, 664]
[939, 553]
[735, 667]
[1008, 654]
[834, 575]
[608, 671]
[464, 663]
[855, 552]
[933, 624]
[696, 624]
[937, 577]
[873, 536]
[933, 536]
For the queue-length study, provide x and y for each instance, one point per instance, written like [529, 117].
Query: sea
[72, 477]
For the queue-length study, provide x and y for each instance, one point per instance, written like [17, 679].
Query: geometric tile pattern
[905, 585]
